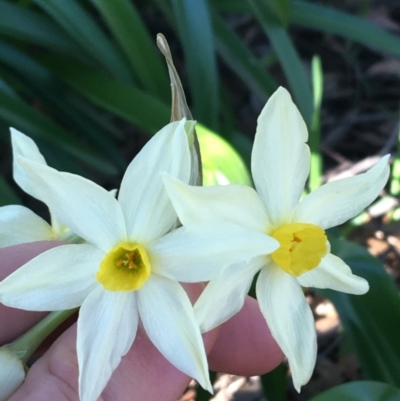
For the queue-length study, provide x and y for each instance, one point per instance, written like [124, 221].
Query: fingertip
[245, 345]
[13, 257]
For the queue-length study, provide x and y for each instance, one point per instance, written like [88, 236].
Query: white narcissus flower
[280, 167]
[130, 267]
[12, 373]
[18, 224]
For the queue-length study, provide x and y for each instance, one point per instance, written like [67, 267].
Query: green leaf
[231, 6]
[139, 48]
[326, 19]
[6, 88]
[329, 20]
[238, 57]
[23, 117]
[41, 83]
[274, 383]
[315, 179]
[395, 174]
[126, 101]
[195, 32]
[27, 25]
[280, 9]
[372, 321]
[360, 391]
[7, 194]
[288, 58]
[80, 26]
[221, 163]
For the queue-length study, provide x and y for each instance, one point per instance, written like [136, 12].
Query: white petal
[57, 279]
[58, 227]
[280, 160]
[168, 319]
[290, 320]
[24, 146]
[147, 208]
[333, 273]
[198, 252]
[19, 225]
[340, 200]
[224, 295]
[12, 373]
[107, 326]
[236, 203]
[86, 208]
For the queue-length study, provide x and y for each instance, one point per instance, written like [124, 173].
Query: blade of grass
[127, 27]
[126, 101]
[24, 24]
[231, 6]
[6, 88]
[41, 83]
[288, 58]
[274, 383]
[26, 119]
[372, 321]
[195, 32]
[280, 9]
[314, 142]
[326, 19]
[80, 26]
[7, 194]
[360, 391]
[395, 175]
[238, 57]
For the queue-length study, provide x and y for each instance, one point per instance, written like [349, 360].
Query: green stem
[25, 345]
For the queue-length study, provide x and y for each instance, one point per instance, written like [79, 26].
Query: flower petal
[19, 225]
[12, 373]
[198, 252]
[57, 279]
[290, 320]
[280, 160]
[224, 295]
[236, 203]
[333, 273]
[24, 146]
[168, 319]
[86, 208]
[107, 327]
[337, 201]
[147, 208]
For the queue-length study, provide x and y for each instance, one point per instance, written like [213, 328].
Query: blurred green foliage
[73, 73]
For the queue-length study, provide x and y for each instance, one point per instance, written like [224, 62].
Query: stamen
[125, 268]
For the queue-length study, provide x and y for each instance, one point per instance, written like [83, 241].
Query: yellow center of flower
[302, 246]
[125, 268]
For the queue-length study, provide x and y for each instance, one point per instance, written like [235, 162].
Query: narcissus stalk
[14, 356]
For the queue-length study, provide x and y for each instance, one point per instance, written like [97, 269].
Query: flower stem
[25, 345]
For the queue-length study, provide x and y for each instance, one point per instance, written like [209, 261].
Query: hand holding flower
[242, 345]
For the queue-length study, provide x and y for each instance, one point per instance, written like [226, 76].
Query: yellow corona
[302, 246]
[125, 268]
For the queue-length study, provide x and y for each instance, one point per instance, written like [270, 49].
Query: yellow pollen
[125, 268]
[302, 246]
